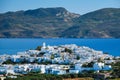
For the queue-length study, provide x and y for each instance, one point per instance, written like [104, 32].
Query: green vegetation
[100, 60]
[52, 56]
[115, 79]
[78, 58]
[79, 79]
[88, 64]
[40, 54]
[37, 76]
[34, 76]
[39, 48]
[116, 70]
[9, 62]
[25, 61]
[68, 50]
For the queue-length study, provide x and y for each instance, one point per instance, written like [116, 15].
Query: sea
[13, 45]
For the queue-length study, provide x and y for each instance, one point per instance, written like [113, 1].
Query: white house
[57, 71]
[31, 52]
[72, 71]
[107, 67]
[42, 69]
[78, 67]
[10, 71]
[98, 66]
[3, 70]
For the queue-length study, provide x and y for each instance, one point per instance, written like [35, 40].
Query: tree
[116, 70]
[78, 58]
[68, 50]
[40, 54]
[52, 56]
[100, 60]
[8, 62]
[88, 64]
[39, 48]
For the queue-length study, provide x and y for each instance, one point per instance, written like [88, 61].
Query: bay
[14, 45]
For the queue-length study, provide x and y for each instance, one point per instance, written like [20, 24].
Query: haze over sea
[14, 45]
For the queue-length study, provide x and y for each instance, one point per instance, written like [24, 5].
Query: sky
[75, 6]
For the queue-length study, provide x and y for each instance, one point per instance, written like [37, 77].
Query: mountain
[42, 22]
[58, 22]
[103, 23]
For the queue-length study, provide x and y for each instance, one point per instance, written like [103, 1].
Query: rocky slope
[58, 22]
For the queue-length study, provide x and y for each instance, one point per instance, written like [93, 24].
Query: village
[58, 60]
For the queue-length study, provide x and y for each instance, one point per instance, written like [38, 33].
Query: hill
[58, 22]
[42, 22]
[103, 23]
